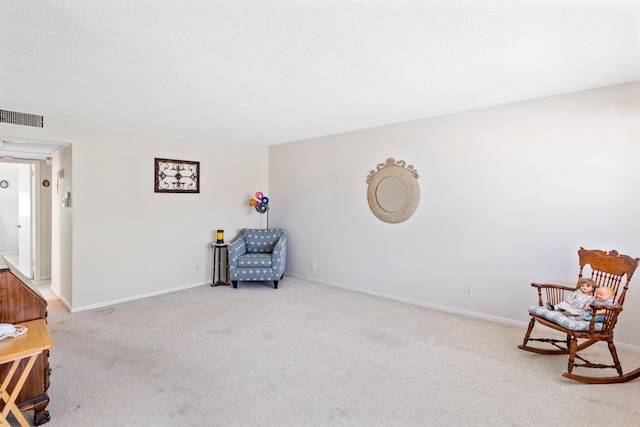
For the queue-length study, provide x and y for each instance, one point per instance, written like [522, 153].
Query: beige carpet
[309, 354]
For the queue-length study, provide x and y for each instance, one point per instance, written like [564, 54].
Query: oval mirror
[393, 192]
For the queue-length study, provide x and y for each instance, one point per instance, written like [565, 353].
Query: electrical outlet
[468, 292]
[312, 265]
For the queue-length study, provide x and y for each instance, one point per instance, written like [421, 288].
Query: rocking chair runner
[607, 269]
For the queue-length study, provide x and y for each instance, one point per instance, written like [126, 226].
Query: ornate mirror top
[392, 162]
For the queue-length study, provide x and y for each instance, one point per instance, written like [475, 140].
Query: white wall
[43, 266]
[62, 226]
[508, 195]
[128, 241]
[9, 209]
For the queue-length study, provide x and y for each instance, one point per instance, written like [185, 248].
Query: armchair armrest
[236, 248]
[554, 293]
[279, 254]
[280, 244]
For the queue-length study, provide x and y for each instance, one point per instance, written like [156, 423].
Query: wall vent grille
[23, 119]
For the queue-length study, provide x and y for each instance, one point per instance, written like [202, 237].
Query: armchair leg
[275, 284]
[234, 283]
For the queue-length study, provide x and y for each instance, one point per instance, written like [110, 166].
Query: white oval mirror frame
[389, 210]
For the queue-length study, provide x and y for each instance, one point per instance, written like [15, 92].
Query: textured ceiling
[283, 70]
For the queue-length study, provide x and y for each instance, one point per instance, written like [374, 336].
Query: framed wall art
[176, 176]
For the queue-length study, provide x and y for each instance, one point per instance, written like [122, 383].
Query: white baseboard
[131, 298]
[61, 298]
[503, 320]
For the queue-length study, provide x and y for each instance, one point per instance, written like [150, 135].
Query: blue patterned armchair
[258, 255]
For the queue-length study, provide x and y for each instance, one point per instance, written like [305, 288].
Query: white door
[25, 232]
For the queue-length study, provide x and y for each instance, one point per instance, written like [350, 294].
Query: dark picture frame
[176, 176]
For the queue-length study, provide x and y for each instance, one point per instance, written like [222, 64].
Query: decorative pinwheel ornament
[261, 203]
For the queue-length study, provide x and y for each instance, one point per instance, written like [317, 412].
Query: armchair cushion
[568, 322]
[254, 260]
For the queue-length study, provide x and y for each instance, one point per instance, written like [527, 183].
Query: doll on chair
[575, 303]
[603, 295]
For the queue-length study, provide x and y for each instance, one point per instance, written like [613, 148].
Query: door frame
[36, 273]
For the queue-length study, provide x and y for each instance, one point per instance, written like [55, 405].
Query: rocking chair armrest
[553, 292]
[596, 305]
[609, 318]
[552, 285]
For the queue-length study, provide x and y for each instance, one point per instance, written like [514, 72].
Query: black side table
[220, 264]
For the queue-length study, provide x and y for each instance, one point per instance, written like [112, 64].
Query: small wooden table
[220, 264]
[14, 350]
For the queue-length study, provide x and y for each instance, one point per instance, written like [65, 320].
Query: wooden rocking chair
[607, 269]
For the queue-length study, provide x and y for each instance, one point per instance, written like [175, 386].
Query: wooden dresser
[20, 303]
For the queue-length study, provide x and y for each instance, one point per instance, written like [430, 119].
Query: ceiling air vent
[24, 119]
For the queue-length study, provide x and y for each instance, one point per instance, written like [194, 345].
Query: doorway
[25, 216]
